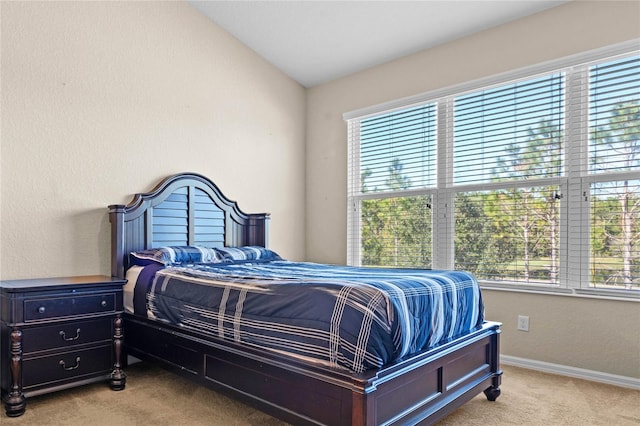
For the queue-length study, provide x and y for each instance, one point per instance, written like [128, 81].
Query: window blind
[398, 150]
[614, 116]
[511, 132]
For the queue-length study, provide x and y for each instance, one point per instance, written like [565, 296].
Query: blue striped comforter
[356, 318]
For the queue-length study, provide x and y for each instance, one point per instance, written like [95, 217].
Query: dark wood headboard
[183, 209]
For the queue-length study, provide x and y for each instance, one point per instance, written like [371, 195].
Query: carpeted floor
[156, 397]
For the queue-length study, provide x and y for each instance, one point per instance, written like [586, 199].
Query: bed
[394, 380]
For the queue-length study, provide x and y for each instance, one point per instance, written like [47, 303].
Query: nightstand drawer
[39, 309]
[66, 365]
[66, 334]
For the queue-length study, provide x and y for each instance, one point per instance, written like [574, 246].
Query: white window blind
[614, 116]
[397, 150]
[511, 132]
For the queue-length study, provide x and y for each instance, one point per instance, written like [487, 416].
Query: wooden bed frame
[189, 209]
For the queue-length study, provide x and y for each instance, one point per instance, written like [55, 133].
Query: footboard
[427, 387]
[422, 388]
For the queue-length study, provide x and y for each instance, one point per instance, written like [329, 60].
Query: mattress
[340, 316]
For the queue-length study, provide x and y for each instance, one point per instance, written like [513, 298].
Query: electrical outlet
[523, 323]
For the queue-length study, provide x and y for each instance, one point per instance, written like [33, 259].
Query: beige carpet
[156, 397]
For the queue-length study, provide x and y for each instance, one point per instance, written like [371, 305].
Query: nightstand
[57, 333]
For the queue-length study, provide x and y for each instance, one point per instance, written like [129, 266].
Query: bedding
[346, 317]
[168, 255]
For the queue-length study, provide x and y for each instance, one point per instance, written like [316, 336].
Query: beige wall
[103, 99]
[571, 330]
[591, 333]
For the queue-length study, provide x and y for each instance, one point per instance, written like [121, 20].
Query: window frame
[574, 263]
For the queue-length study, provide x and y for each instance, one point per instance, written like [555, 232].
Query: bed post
[116, 217]
[257, 230]
[493, 392]
[361, 411]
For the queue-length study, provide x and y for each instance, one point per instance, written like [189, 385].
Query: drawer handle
[103, 303]
[72, 367]
[41, 310]
[68, 339]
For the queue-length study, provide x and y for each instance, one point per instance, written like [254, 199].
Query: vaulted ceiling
[318, 41]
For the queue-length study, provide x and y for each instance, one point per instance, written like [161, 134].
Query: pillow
[245, 253]
[175, 254]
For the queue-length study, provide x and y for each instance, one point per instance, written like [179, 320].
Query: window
[528, 179]
[508, 144]
[614, 154]
[396, 154]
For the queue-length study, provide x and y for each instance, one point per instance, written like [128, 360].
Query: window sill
[622, 295]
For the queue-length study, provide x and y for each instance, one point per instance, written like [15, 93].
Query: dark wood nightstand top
[59, 283]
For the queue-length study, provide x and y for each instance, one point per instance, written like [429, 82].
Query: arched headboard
[183, 209]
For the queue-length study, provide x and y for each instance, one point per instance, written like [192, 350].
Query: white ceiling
[318, 41]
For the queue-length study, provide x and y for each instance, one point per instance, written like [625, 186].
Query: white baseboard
[565, 370]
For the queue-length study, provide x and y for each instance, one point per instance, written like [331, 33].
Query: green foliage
[396, 231]
[480, 246]
[500, 235]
